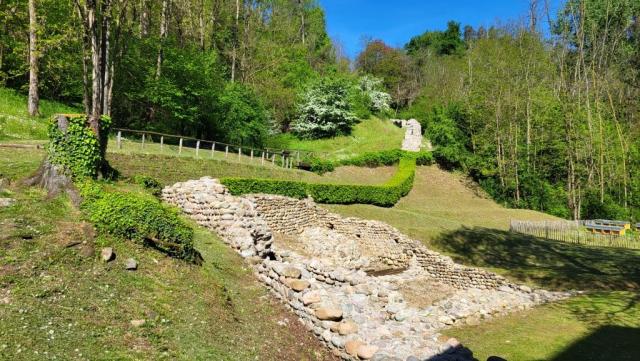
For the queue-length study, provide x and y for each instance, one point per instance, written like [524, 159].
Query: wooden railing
[128, 140]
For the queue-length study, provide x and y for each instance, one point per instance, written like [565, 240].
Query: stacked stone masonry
[349, 280]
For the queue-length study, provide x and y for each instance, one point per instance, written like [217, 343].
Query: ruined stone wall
[356, 314]
[209, 204]
[390, 249]
[287, 215]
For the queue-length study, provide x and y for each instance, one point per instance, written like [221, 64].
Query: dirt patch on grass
[425, 291]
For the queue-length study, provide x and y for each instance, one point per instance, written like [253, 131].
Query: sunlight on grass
[368, 136]
[15, 122]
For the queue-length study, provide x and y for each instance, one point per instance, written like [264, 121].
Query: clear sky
[396, 21]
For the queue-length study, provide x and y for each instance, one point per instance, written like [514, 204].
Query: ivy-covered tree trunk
[74, 151]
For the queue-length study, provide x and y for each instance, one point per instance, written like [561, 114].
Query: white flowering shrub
[324, 110]
[379, 100]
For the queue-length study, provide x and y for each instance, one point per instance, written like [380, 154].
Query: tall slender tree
[34, 99]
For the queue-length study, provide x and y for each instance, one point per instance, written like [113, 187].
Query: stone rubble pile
[345, 277]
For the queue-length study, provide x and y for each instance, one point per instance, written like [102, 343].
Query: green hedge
[140, 218]
[385, 195]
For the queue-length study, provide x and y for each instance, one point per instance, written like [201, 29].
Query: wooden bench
[602, 229]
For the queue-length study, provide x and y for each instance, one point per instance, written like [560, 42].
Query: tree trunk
[55, 179]
[34, 99]
[302, 23]
[144, 19]
[163, 35]
[234, 53]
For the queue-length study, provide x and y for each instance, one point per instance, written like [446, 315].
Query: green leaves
[77, 150]
[138, 217]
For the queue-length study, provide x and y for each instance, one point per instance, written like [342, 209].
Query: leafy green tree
[242, 117]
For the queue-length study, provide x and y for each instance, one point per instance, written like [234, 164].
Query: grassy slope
[447, 215]
[57, 300]
[15, 122]
[367, 136]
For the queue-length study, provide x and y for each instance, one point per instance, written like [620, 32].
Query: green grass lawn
[453, 218]
[15, 123]
[368, 136]
[59, 301]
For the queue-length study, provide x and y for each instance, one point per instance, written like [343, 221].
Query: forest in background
[546, 120]
[542, 119]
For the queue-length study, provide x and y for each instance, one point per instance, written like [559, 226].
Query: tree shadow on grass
[604, 343]
[549, 264]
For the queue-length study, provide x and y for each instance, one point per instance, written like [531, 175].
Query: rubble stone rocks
[137, 323]
[346, 278]
[107, 254]
[328, 313]
[352, 347]
[311, 297]
[131, 264]
[6, 202]
[297, 285]
[366, 352]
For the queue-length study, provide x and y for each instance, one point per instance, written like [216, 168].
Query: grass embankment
[59, 301]
[367, 136]
[15, 123]
[603, 324]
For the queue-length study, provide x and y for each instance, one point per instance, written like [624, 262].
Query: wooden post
[161, 143]
[273, 159]
[251, 155]
[298, 157]
[282, 159]
[197, 148]
[142, 140]
[262, 158]
[119, 139]
[239, 153]
[213, 148]
[226, 151]
[180, 147]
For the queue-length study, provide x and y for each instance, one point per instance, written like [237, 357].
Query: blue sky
[396, 21]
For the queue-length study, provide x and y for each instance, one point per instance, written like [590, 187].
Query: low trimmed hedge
[385, 195]
[140, 218]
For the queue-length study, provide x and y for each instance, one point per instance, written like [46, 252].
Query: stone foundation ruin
[365, 289]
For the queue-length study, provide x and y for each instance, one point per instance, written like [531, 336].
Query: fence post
[282, 160]
[251, 155]
[180, 147]
[262, 158]
[226, 151]
[546, 230]
[239, 154]
[213, 148]
[142, 140]
[273, 159]
[119, 139]
[161, 143]
[197, 148]
[298, 157]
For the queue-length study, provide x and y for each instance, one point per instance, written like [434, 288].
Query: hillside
[367, 136]
[15, 123]
[54, 292]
